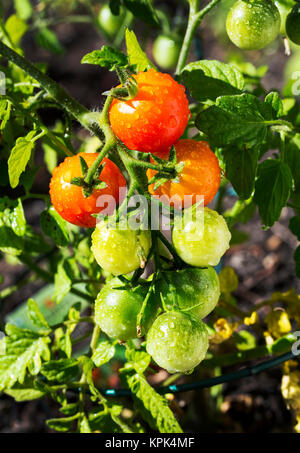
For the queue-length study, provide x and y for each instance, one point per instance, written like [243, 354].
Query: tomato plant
[66, 191]
[123, 302]
[177, 341]
[117, 309]
[253, 24]
[200, 175]
[193, 290]
[284, 8]
[293, 25]
[166, 51]
[155, 118]
[120, 251]
[110, 22]
[201, 238]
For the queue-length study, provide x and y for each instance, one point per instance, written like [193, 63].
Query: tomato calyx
[170, 169]
[96, 184]
[129, 88]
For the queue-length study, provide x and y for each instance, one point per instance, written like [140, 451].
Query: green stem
[170, 247]
[195, 18]
[233, 214]
[284, 345]
[95, 337]
[87, 319]
[61, 20]
[61, 96]
[110, 140]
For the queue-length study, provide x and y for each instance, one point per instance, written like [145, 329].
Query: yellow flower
[278, 323]
[252, 319]
[223, 331]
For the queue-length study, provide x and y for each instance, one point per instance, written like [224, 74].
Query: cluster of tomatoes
[253, 24]
[153, 121]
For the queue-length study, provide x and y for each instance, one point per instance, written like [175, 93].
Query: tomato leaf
[292, 158]
[55, 226]
[236, 119]
[103, 353]
[36, 317]
[61, 370]
[48, 40]
[62, 424]
[23, 8]
[152, 406]
[62, 283]
[23, 349]
[19, 157]
[140, 360]
[209, 79]
[137, 56]
[24, 393]
[274, 100]
[144, 10]
[107, 57]
[272, 189]
[16, 28]
[9, 242]
[241, 167]
[12, 215]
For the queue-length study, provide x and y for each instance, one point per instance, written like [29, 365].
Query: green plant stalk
[195, 18]
[251, 354]
[49, 136]
[61, 96]
[110, 140]
[95, 337]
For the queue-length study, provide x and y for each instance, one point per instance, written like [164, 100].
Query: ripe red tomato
[155, 118]
[201, 174]
[68, 199]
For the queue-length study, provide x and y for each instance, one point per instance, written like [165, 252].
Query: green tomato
[117, 309]
[293, 25]
[166, 51]
[253, 24]
[284, 8]
[120, 251]
[193, 290]
[201, 240]
[177, 341]
[109, 22]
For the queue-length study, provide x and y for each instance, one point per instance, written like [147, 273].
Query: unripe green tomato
[201, 240]
[177, 341]
[194, 290]
[109, 22]
[284, 8]
[116, 310]
[166, 51]
[293, 25]
[253, 24]
[120, 251]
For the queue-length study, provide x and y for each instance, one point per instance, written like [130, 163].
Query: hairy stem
[195, 18]
[61, 96]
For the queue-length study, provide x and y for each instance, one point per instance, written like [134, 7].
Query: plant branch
[61, 96]
[195, 18]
